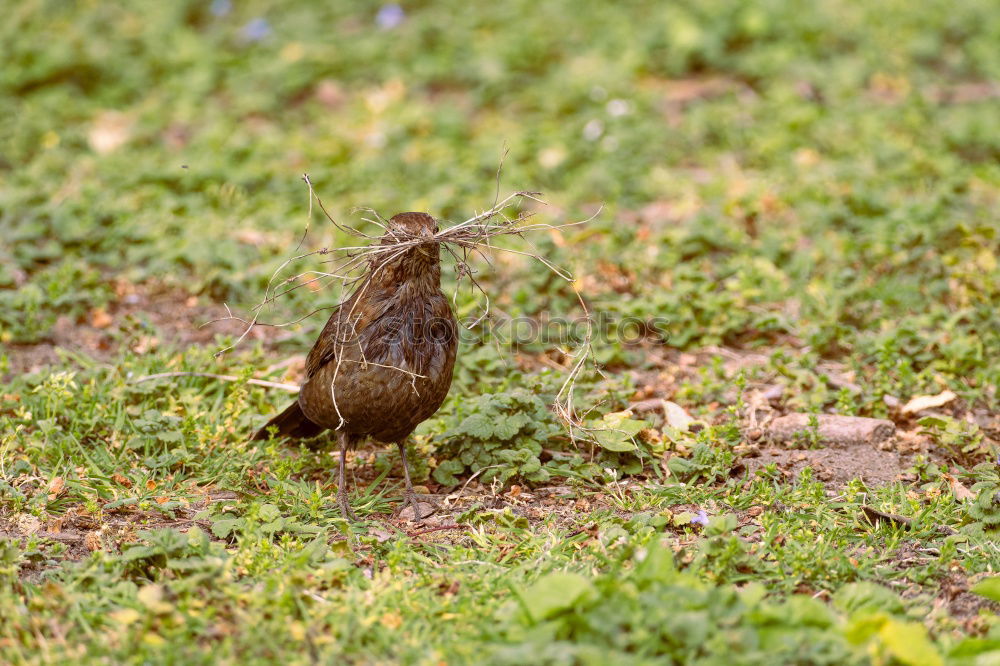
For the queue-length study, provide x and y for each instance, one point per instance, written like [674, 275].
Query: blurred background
[798, 199]
[822, 177]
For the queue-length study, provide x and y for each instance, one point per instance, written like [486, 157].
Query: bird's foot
[345, 508]
[420, 510]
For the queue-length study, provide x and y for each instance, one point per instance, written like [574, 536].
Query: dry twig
[291, 388]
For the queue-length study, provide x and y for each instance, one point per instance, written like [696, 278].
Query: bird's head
[411, 226]
[421, 259]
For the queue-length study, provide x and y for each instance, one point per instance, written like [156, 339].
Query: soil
[142, 318]
[836, 466]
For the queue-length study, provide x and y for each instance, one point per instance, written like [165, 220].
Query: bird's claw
[345, 508]
[414, 503]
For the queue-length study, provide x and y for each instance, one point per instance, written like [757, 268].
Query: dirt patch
[835, 466]
[962, 603]
[143, 318]
[74, 535]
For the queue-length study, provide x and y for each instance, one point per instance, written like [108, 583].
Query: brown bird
[384, 360]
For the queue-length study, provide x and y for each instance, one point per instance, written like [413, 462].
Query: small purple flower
[700, 519]
[220, 8]
[390, 16]
[256, 30]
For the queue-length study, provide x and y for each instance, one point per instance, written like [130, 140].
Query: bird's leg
[345, 507]
[410, 497]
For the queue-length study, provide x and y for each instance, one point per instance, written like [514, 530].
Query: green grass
[806, 195]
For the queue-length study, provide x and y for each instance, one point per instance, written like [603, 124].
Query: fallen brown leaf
[921, 402]
[56, 486]
[99, 318]
[958, 489]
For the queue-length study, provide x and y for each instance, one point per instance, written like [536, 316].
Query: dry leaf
[28, 524]
[391, 620]
[56, 486]
[99, 318]
[146, 344]
[380, 534]
[125, 616]
[960, 491]
[151, 596]
[109, 132]
[251, 237]
[676, 416]
[297, 631]
[92, 541]
[921, 402]
[651, 436]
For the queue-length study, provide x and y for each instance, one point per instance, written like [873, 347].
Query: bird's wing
[345, 327]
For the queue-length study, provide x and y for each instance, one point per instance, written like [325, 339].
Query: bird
[383, 362]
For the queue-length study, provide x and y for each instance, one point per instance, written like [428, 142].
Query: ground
[791, 211]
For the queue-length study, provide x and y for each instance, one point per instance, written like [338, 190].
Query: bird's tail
[290, 423]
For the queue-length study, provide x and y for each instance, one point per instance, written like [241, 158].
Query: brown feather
[383, 362]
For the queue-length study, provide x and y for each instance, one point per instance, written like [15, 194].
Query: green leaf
[268, 513]
[723, 524]
[908, 642]
[302, 528]
[863, 626]
[197, 538]
[805, 610]
[866, 596]
[972, 647]
[553, 593]
[989, 588]
[223, 528]
[139, 553]
[657, 566]
[682, 467]
[615, 431]
[477, 425]
[614, 440]
[122, 502]
[170, 436]
[683, 518]
[273, 526]
[506, 427]
[446, 471]
[933, 422]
